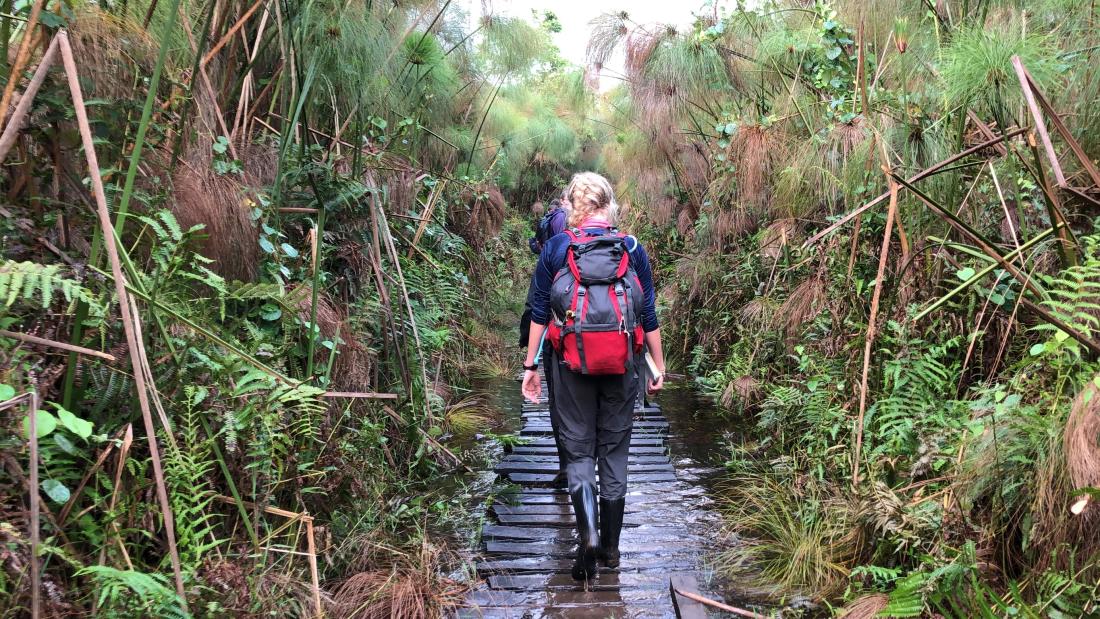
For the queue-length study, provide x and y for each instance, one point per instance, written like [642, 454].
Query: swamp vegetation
[253, 253]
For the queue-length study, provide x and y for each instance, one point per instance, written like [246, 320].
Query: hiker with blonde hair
[592, 295]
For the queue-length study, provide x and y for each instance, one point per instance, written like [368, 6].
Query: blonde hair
[590, 194]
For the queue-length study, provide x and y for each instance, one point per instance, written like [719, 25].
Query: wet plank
[568, 548]
[519, 466]
[546, 478]
[552, 520]
[548, 441]
[553, 458]
[529, 543]
[606, 581]
[543, 565]
[551, 450]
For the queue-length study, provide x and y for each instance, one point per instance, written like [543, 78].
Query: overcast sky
[574, 16]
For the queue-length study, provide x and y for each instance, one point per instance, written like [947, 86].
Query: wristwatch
[533, 368]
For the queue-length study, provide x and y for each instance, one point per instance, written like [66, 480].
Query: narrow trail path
[528, 541]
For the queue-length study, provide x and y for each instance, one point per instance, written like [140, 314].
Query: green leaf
[56, 490]
[289, 250]
[46, 423]
[832, 53]
[730, 128]
[270, 311]
[74, 424]
[7, 392]
[266, 245]
[1038, 349]
[965, 273]
[65, 444]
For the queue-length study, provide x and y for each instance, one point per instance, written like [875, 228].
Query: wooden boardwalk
[528, 541]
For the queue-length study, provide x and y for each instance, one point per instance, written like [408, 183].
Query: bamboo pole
[229, 35]
[883, 257]
[427, 216]
[314, 576]
[36, 569]
[1037, 117]
[32, 490]
[41, 341]
[11, 131]
[719, 605]
[137, 351]
[21, 57]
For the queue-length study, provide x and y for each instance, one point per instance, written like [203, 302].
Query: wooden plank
[548, 533]
[544, 565]
[497, 531]
[554, 508]
[610, 581]
[553, 467]
[663, 545]
[686, 608]
[634, 441]
[551, 450]
[553, 458]
[547, 478]
[550, 520]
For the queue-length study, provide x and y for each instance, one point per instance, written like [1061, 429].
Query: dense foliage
[919, 374]
[308, 199]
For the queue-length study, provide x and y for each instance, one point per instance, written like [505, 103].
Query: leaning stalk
[146, 120]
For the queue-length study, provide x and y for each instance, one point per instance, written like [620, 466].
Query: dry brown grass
[481, 214]
[353, 365]
[221, 204]
[113, 52]
[411, 588]
[756, 151]
[803, 303]
[663, 210]
[760, 312]
[865, 607]
[685, 223]
[728, 225]
[1082, 439]
[743, 389]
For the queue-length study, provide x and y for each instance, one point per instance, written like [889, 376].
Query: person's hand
[532, 386]
[655, 385]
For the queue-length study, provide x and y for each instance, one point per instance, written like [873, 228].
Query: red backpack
[596, 302]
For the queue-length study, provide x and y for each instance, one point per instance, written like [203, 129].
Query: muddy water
[672, 522]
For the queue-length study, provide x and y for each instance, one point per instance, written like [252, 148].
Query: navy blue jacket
[552, 259]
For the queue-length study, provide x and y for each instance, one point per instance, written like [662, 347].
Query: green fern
[1075, 293]
[189, 467]
[39, 283]
[130, 593]
[907, 598]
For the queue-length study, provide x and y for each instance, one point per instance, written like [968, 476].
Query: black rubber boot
[611, 524]
[584, 505]
[560, 480]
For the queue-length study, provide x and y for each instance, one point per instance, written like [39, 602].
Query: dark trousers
[548, 372]
[595, 415]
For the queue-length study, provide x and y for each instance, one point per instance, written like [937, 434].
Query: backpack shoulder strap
[631, 242]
